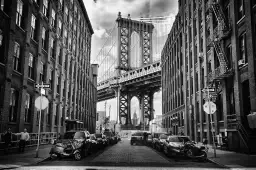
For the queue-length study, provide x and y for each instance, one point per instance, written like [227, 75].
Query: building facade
[211, 45]
[46, 41]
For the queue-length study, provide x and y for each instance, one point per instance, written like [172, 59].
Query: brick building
[211, 44]
[46, 41]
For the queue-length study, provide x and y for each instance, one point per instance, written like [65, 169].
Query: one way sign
[44, 86]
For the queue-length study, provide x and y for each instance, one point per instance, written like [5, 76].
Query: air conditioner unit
[241, 62]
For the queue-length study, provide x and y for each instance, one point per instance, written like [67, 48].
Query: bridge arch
[135, 50]
[135, 111]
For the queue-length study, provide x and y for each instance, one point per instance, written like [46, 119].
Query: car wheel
[189, 153]
[78, 156]
[166, 151]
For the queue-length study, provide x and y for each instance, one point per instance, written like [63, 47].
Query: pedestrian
[24, 137]
[7, 140]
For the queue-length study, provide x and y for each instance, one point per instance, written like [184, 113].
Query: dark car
[160, 142]
[95, 146]
[102, 142]
[110, 137]
[155, 138]
[174, 144]
[149, 140]
[137, 138]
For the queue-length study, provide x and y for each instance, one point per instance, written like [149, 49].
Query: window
[75, 9]
[59, 27]
[43, 38]
[51, 47]
[242, 47]
[13, 106]
[56, 116]
[70, 20]
[48, 120]
[202, 78]
[28, 102]
[45, 7]
[66, 14]
[240, 9]
[65, 37]
[51, 78]
[42, 68]
[16, 57]
[31, 66]
[60, 56]
[53, 18]
[33, 26]
[69, 44]
[19, 12]
[58, 84]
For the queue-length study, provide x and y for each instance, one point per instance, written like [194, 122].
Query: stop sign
[209, 104]
[41, 103]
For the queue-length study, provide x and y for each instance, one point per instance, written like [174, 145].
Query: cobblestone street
[125, 155]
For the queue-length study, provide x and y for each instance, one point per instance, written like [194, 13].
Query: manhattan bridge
[130, 65]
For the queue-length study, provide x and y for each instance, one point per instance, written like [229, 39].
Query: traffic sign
[41, 103]
[209, 104]
[45, 86]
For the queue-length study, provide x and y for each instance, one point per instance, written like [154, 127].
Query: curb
[215, 162]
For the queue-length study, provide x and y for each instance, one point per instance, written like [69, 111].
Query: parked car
[110, 137]
[182, 145]
[155, 138]
[118, 137]
[137, 138]
[95, 145]
[149, 140]
[101, 140]
[160, 142]
[73, 142]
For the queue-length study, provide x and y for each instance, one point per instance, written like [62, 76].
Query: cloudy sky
[103, 13]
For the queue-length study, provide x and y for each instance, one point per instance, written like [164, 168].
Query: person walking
[7, 140]
[24, 137]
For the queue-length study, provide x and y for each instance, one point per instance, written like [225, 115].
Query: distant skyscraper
[135, 119]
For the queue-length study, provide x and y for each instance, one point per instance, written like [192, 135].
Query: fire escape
[221, 32]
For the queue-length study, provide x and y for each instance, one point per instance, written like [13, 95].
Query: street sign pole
[39, 123]
[211, 119]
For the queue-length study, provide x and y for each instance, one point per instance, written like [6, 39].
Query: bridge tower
[126, 26]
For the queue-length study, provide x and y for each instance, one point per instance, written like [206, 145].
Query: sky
[103, 13]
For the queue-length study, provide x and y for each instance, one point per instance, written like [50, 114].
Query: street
[123, 154]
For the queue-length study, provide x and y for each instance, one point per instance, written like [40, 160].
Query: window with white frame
[53, 18]
[69, 43]
[41, 75]
[51, 78]
[19, 12]
[31, 66]
[51, 47]
[43, 38]
[27, 117]
[70, 20]
[13, 106]
[45, 7]
[16, 57]
[59, 27]
[242, 47]
[33, 26]
[65, 37]
[240, 9]
[66, 14]
[75, 9]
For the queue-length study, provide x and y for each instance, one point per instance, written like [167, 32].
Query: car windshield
[69, 135]
[178, 139]
[92, 137]
[108, 133]
[149, 137]
[163, 136]
[79, 135]
[137, 134]
[98, 135]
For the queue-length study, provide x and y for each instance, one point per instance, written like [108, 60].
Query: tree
[106, 121]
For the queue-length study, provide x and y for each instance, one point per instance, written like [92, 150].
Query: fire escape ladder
[223, 25]
[221, 54]
[243, 135]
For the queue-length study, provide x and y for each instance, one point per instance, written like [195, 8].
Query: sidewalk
[16, 160]
[231, 159]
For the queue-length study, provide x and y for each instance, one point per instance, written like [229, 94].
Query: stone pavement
[231, 159]
[16, 160]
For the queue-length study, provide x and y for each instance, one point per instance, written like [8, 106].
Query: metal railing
[45, 138]
[243, 135]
